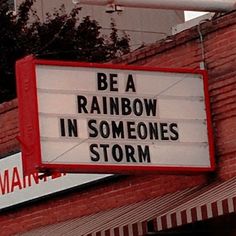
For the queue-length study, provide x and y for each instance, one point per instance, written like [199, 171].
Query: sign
[15, 188]
[80, 117]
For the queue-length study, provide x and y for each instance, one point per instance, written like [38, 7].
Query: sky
[192, 14]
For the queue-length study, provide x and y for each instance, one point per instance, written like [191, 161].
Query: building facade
[144, 204]
[142, 25]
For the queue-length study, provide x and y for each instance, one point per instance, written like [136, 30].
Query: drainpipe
[192, 5]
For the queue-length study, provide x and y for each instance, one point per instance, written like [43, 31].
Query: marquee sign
[95, 118]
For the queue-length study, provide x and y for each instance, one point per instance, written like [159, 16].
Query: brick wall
[8, 128]
[89, 200]
[182, 50]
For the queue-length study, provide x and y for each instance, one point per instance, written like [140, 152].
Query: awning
[169, 211]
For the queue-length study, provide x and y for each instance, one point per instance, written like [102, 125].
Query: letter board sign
[100, 118]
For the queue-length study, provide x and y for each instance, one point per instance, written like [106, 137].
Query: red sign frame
[29, 121]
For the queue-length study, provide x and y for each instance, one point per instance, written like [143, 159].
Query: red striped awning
[210, 201]
[169, 211]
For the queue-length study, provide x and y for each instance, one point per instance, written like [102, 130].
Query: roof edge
[207, 27]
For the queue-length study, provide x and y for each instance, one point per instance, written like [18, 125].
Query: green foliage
[61, 36]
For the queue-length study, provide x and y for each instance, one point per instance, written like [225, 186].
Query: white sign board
[16, 188]
[104, 118]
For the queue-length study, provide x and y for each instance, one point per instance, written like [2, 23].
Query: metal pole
[193, 5]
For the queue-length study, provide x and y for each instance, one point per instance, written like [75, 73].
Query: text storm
[120, 117]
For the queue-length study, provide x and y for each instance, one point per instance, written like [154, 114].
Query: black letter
[102, 81]
[95, 105]
[113, 82]
[93, 151]
[144, 155]
[164, 131]
[126, 109]
[130, 84]
[72, 128]
[104, 102]
[105, 147]
[130, 130]
[117, 129]
[104, 129]
[92, 128]
[130, 153]
[142, 130]
[117, 156]
[114, 106]
[82, 102]
[150, 105]
[153, 129]
[62, 125]
[138, 107]
[174, 135]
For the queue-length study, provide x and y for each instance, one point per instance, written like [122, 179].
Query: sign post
[99, 118]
